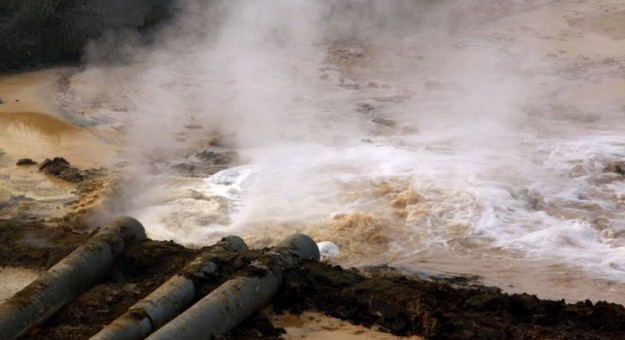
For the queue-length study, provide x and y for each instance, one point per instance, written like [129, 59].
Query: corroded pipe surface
[73, 275]
[234, 301]
[168, 300]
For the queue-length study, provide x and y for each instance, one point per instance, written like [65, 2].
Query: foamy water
[477, 151]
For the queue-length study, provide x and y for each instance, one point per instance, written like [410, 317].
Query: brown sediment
[443, 308]
[318, 326]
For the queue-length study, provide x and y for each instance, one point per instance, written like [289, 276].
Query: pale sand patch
[12, 280]
[316, 326]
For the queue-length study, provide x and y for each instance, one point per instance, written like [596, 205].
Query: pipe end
[130, 228]
[302, 246]
[233, 242]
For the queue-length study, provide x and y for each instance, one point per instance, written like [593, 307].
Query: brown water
[31, 126]
[491, 163]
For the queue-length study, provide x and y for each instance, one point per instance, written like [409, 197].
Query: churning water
[474, 140]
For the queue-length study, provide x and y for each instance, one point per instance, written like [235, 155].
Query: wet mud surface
[382, 298]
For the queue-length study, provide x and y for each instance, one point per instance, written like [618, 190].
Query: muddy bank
[34, 32]
[386, 299]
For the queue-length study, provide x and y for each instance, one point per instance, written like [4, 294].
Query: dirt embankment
[383, 298]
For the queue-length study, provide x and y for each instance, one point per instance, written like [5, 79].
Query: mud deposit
[385, 299]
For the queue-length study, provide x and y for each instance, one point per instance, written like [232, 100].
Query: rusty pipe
[234, 301]
[73, 275]
[168, 300]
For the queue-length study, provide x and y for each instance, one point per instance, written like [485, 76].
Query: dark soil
[399, 303]
[32, 245]
[443, 308]
[25, 162]
[60, 168]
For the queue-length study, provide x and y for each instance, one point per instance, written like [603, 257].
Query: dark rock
[193, 126]
[617, 167]
[364, 107]
[384, 121]
[217, 158]
[25, 161]
[60, 168]
[206, 163]
[223, 141]
[434, 85]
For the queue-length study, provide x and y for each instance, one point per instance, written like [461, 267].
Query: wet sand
[14, 279]
[317, 326]
[31, 125]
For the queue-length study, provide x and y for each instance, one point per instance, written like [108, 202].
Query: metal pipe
[73, 275]
[168, 300]
[234, 301]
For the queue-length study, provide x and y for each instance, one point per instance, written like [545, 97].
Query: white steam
[406, 127]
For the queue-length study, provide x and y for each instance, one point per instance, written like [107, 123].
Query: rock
[617, 167]
[193, 126]
[434, 85]
[25, 162]
[217, 158]
[206, 163]
[60, 168]
[384, 121]
[223, 141]
[364, 107]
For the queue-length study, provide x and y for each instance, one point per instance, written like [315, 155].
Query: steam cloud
[254, 69]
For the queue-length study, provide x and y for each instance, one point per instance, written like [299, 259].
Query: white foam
[328, 250]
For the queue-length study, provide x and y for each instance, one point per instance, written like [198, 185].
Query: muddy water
[32, 126]
[482, 152]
